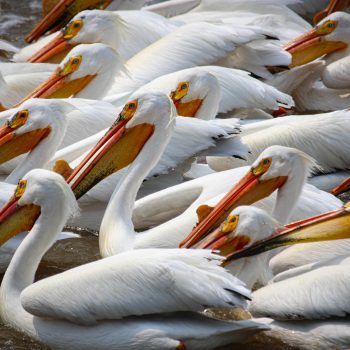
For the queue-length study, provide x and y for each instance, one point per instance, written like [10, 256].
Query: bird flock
[207, 142]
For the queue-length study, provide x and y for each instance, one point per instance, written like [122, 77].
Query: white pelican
[314, 304]
[247, 226]
[322, 136]
[331, 38]
[277, 167]
[176, 207]
[77, 119]
[87, 307]
[59, 13]
[236, 90]
[127, 32]
[87, 71]
[196, 44]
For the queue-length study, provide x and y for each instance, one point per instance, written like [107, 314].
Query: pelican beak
[334, 5]
[54, 51]
[57, 86]
[61, 14]
[15, 219]
[343, 187]
[12, 145]
[248, 190]
[117, 149]
[328, 226]
[312, 45]
[223, 241]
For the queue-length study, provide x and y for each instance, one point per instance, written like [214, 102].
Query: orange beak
[56, 86]
[328, 226]
[15, 219]
[310, 46]
[61, 14]
[247, 191]
[334, 5]
[116, 150]
[188, 109]
[13, 145]
[343, 187]
[54, 48]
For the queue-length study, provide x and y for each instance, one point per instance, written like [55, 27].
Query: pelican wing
[304, 132]
[240, 90]
[136, 283]
[336, 75]
[319, 293]
[189, 46]
[193, 136]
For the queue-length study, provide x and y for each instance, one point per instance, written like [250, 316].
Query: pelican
[197, 44]
[322, 136]
[330, 38]
[239, 91]
[102, 322]
[174, 209]
[59, 14]
[276, 167]
[66, 124]
[317, 293]
[127, 32]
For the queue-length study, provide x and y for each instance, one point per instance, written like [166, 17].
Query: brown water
[17, 18]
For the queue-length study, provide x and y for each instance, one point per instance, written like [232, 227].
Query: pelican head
[196, 94]
[87, 27]
[144, 125]
[27, 126]
[332, 225]
[277, 168]
[330, 35]
[61, 14]
[244, 226]
[87, 71]
[39, 191]
[333, 6]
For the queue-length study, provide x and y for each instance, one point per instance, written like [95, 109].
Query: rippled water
[17, 18]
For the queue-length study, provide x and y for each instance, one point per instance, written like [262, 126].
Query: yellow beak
[15, 219]
[12, 145]
[57, 87]
[116, 150]
[310, 46]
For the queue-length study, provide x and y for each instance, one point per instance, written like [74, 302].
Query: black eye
[233, 220]
[76, 25]
[132, 105]
[183, 86]
[266, 161]
[75, 61]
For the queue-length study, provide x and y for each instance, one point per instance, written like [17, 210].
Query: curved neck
[288, 195]
[41, 154]
[21, 271]
[117, 232]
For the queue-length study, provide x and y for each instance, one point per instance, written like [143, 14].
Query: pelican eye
[183, 86]
[230, 224]
[262, 167]
[21, 187]
[327, 27]
[75, 61]
[128, 110]
[19, 119]
[72, 29]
